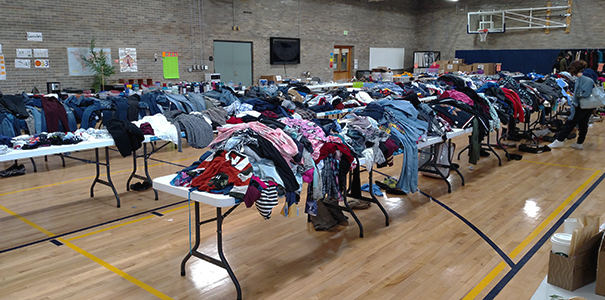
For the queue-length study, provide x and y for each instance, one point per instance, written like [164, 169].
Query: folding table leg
[134, 174]
[219, 244]
[108, 182]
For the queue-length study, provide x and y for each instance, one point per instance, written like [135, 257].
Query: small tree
[99, 64]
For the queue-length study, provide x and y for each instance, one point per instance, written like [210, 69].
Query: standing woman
[578, 117]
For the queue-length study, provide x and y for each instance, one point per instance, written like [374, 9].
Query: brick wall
[157, 26]
[443, 28]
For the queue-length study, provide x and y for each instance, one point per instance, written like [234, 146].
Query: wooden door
[342, 62]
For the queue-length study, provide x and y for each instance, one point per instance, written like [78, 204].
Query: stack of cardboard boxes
[458, 65]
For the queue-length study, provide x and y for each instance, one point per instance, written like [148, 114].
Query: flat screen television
[285, 51]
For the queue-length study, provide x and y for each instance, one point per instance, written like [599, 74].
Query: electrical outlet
[205, 67]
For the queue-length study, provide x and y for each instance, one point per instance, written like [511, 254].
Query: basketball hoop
[483, 34]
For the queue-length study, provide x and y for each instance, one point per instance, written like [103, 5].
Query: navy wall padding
[524, 61]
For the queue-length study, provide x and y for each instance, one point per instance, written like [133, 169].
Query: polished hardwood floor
[426, 253]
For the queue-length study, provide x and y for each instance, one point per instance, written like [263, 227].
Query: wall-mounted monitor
[285, 51]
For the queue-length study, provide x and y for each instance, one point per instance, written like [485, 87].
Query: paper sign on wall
[22, 63]
[170, 62]
[40, 52]
[24, 53]
[34, 36]
[41, 63]
[2, 68]
[0, 48]
[128, 59]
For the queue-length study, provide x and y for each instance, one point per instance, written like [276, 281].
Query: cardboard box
[580, 269]
[440, 63]
[600, 290]
[465, 68]
[457, 61]
[274, 78]
[487, 68]
[448, 68]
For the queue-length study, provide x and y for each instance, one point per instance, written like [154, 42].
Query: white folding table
[65, 152]
[217, 200]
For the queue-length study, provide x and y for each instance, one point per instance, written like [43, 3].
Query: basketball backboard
[493, 21]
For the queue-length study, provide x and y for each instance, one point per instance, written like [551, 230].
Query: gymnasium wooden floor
[427, 252]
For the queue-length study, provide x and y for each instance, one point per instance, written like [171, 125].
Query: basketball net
[483, 34]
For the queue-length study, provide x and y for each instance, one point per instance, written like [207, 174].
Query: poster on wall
[2, 68]
[170, 61]
[34, 36]
[128, 59]
[41, 63]
[24, 53]
[40, 52]
[77, 66]
[0, 48]
[22, 63]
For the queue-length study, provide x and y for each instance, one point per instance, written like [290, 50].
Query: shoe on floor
[556, 144]
[577, 146]
[14, 170]
[358, 204]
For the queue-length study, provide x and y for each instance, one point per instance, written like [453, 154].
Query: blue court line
[51, 238]
[509, 276]
[505, 257]
[383, 174]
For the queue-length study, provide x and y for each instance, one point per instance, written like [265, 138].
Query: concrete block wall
[147, 26]
[155, 26]
[443, 28]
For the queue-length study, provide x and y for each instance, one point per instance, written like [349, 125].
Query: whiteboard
[387, 57]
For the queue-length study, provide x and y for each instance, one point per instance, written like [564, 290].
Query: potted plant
[97, 61]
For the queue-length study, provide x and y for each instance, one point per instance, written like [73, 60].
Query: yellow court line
[124, 224]
[177, 208]
[116, 270]
[496, 271]
[108, 228]
[557, 165]
[26, 221]
[84, 178]
[90, 256]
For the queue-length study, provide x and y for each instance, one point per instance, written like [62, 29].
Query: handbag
[596, 98]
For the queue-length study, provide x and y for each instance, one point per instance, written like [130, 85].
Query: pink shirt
[282, 142]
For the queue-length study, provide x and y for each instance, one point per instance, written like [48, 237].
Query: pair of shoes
[556, 144]
[549, 138]
[390, 182]
[514, 156]
[577, 146]
[140, 186]
[483, 153]
[14, 170]
[358, 204]
[390, 190]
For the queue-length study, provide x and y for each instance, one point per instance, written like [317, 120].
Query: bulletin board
[387, 57]
[171, 65]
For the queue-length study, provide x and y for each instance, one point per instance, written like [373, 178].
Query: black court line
[505, 257]
[50, 238]
[166, 162]
[389, 176]
[57, 243]
[509, 276]
[157, 213]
